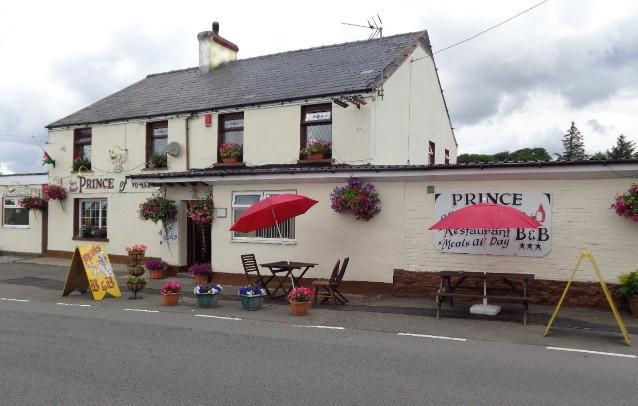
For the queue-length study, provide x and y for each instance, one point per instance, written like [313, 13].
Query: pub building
[164, 134]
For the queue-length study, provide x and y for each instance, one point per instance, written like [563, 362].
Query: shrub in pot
[156, 269]
[629, 289]
[252, 297]
[207, 295]
[171, 292]
[201, 272]
[300, 300]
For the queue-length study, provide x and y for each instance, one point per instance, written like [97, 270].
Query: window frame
[447, 156]
[80, 139]
[17, 205]
[431, 153]
[150, 138]
[77, 217]
[263, 195]
[221, 132]
[313, 108]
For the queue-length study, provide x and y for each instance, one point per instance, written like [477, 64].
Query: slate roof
[292, 169]
[350, 67]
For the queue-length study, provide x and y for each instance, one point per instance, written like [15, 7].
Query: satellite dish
[173, 149]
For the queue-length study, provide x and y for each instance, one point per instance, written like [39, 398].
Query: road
[70, 355]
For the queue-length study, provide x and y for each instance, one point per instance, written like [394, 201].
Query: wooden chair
[328, 288]
[251, 269]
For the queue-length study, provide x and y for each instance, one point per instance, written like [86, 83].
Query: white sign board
[514, 242]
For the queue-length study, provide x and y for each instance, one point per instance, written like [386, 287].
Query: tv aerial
[375, 25]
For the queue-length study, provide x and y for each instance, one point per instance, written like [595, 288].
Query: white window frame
[17, 205]
[79, 214]
[263, 194]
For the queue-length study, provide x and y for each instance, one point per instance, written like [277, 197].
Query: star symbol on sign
[522, 246]
[538, 247]
[530, 246]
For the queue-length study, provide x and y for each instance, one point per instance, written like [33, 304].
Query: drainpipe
[186, 142]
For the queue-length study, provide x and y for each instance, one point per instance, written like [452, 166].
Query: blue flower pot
[251, 302]
[207, 301]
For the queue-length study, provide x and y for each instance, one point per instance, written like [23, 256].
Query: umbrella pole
[283, 245]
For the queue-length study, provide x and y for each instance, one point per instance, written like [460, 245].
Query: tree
[600, 156]
[624, 149]
[530, 154]
[524, 154]
[573, 145]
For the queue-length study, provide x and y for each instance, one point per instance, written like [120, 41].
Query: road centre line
[322, 327]
[73, 304]
[431, 336]
[8, 299]
[210, 316]
[142, 310]
[612, 354]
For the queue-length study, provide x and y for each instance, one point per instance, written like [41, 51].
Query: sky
[517, 86]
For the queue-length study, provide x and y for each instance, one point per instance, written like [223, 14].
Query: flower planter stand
[299, 308]
[251, 303]
[171, 299]
[207, 300]
[136, 270]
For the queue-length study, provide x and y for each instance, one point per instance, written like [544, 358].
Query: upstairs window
[231, 136]
[82, 140]
[447, 156]
[316, 125]
[431, 153]
[13, 214]
[156, 143]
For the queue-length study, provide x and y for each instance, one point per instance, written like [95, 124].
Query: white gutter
[610, 171]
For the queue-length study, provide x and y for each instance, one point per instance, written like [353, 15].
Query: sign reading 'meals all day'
[514, 242]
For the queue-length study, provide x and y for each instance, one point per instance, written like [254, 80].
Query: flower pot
[251, 302]
[156, 274]
[229, 160]
[201, 279]
[170, 299]
[633, 306]
[299, 308]
[135, 258]
[135, 270]
[315, 157]
[171, 271]
[207, 300]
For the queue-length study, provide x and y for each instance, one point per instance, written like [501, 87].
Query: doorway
[198, 241]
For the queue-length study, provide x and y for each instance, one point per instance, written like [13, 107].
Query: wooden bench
[516, 288]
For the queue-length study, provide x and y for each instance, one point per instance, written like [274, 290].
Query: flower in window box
[87, 230]
[230, 153]
[317, 149]
[158, 161]
[80, 162]
[100, 233]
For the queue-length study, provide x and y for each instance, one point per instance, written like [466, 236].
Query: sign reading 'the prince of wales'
[519, 242]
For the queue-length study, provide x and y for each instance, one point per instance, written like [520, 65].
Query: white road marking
[13, 300]
[324, 327]
[142, 310]
[431, 336]
[73, 304]
[217, 317]
[613, 354]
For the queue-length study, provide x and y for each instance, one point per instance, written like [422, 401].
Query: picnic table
[282, 271]
[514, 288]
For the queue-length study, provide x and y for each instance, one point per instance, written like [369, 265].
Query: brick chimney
[214, 49]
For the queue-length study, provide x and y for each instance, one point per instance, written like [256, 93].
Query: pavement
[376, 350]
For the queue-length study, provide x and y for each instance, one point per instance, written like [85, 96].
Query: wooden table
[516, 289]
[282, 271]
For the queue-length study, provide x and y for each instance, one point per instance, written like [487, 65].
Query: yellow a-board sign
[91, 268]
[589, 256]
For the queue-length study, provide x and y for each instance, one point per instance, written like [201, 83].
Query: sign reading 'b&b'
[513, 242]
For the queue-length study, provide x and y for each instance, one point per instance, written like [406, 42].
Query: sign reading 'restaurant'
[519, 242]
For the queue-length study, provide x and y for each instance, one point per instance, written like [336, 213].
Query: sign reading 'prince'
[513, 242]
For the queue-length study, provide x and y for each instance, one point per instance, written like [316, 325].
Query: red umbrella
[272, 211]
[486, 216]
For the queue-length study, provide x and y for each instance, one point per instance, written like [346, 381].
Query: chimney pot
[215, 27]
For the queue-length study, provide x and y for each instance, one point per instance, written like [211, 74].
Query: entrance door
[198, 242]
